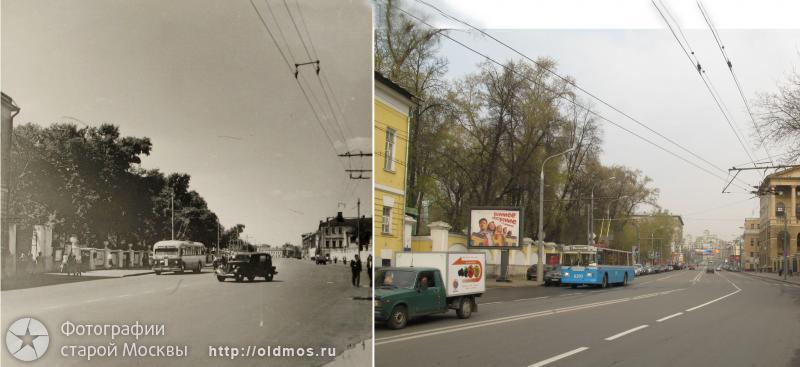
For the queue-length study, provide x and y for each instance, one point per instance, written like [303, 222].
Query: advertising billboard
[495, 227]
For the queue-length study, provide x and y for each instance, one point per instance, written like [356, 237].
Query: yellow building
[780, 212]
[392, 117]
[751, 243]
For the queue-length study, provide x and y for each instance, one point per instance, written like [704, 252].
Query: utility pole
[358, 224]
[172, 212]
[540, 235]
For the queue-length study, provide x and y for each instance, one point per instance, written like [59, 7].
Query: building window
[327, 244]
[388, 156]
[386, 222]
[797, 211]
[780, 210]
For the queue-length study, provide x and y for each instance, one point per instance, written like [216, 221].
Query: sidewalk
[516, 282]
[111, 273]
[774, 276]
[21, 281]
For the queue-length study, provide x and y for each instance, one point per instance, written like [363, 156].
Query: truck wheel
[573, 286]
[220, 278]
[158, 272]
[398, 318]
[464, 310]
[199, 267]
[268, 277]
[605, 281]
[239, 277]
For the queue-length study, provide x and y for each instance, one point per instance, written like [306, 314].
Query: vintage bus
[178, 256]
[595, 266]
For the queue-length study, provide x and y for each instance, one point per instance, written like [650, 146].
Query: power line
[280, 31]
[305, 27]
[271, 36]
[286, 4]
[568, 81]
[280, 50]
[706, 81]
[488, 58]
[728, 62]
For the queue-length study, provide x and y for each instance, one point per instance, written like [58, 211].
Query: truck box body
[464, 273]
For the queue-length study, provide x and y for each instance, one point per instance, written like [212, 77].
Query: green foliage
[482, 139]
[88, 182]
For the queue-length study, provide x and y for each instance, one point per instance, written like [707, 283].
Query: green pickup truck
[405, 292]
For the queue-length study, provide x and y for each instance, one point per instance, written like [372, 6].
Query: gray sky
[644, 73]
[204, 81]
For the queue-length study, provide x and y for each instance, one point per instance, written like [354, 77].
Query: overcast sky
[204, 81]
[643, 72]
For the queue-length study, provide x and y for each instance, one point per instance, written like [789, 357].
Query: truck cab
[439, 282]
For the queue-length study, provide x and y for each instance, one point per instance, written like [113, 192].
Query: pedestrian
[355, 267]
[369, 269]
[39, 263]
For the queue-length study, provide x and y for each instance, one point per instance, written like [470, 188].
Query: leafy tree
[780, 116]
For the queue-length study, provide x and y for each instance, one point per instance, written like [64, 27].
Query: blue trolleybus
[596, 266]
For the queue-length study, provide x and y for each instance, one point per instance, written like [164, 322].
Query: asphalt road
[306, 305]
[679, 318]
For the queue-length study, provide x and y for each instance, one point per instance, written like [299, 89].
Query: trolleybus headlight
[588, 274]
[566, 274]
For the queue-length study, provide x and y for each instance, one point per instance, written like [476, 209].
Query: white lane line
[490, 303]
[529, 299]
[626, 332]
[500, 320]
[124, 295]
[560, 356]
[669, 317]
[52, 307]
[714, 300]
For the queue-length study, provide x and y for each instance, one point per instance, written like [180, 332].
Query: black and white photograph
[186, 183]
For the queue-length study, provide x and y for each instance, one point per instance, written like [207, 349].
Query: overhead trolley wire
[488, 58]
[706, 81]
[572, 83]
[728, 62]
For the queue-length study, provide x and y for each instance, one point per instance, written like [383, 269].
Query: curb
[137, 274]
[769, 278]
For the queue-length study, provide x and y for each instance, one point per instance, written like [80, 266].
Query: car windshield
[166, 251]
[242, 258]
[395, 279]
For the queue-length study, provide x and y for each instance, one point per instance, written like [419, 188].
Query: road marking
[490, 303]
[501, 320]
[669, 317]
[124, 295]
[714, 300]
[529, 299]
[560, 356]
[610, 338]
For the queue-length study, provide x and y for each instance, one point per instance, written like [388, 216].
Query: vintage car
[246, 265]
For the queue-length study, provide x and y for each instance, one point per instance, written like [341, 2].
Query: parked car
[247, 265]
[709, 269]
[638, 269]
[692, 267]
[531, 273]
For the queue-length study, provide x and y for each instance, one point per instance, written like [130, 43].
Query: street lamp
[608, 215]
[540, 235]
[590, 216]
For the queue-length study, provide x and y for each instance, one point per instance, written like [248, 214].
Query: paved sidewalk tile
[774, 276]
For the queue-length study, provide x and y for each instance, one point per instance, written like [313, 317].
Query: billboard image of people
[495, 227]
